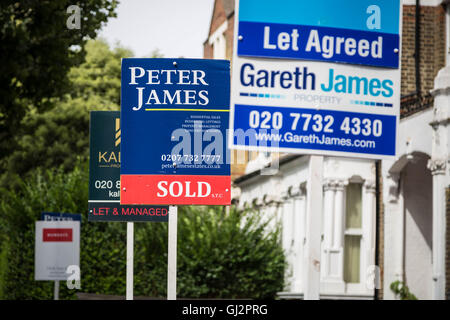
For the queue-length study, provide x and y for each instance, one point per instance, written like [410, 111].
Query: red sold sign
[175, 189]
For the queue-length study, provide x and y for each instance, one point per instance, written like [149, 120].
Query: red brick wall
[218, 17]
[432, 47]
[207, 50]
[229, 37]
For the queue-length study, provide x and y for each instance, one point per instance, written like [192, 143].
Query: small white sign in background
[57, 247]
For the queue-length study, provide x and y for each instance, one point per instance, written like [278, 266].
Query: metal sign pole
[172, 254]
[130, 254]
[313, 228]
[56, 290]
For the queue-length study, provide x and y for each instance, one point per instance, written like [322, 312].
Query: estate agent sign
[317, 77]
[104, 174]
[174, 117]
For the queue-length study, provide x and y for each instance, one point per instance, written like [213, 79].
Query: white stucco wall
[283, 194]
[404, 198]
[418, 228]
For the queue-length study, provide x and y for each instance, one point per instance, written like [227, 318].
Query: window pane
[352, 258]
[353, 206]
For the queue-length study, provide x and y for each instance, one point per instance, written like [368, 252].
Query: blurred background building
[387, 219]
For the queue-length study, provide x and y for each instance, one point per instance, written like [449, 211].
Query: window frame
[353, 286]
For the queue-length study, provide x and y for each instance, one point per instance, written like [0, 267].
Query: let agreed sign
[174, 115]
[316, 77]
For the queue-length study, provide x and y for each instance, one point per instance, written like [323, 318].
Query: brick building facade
[432, 47]
[425, 52]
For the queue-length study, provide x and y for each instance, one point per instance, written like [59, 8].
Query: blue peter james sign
[174, 116]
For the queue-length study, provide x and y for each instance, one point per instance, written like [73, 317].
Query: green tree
[37, 51]
[58, 136]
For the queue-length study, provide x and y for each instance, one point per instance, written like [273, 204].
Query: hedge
[221, 254]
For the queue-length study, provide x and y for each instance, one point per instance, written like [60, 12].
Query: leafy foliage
[58, 136]
[37, 52]
[44, 191]
[220, 254]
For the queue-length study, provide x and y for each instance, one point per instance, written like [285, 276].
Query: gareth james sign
[317, 77]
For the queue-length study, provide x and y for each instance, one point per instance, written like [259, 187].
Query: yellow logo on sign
[117, 131]
[109, 159]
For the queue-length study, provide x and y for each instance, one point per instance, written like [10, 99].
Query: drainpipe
[377, 226]
[417, 53]
[400, 259]
[402, 274]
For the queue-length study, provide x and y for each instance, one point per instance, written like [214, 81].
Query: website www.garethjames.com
[314, 139]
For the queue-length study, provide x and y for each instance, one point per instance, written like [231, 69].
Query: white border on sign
[234, 78]
[55, 255]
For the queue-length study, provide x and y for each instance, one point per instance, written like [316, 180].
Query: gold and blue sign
[104, 174]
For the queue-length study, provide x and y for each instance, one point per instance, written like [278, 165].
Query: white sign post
[172, 254]
[171, 261]
[130, 256]
[313, 228]
[56, 290]
[57, 246]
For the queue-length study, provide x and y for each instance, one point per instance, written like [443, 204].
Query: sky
[177, 28]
